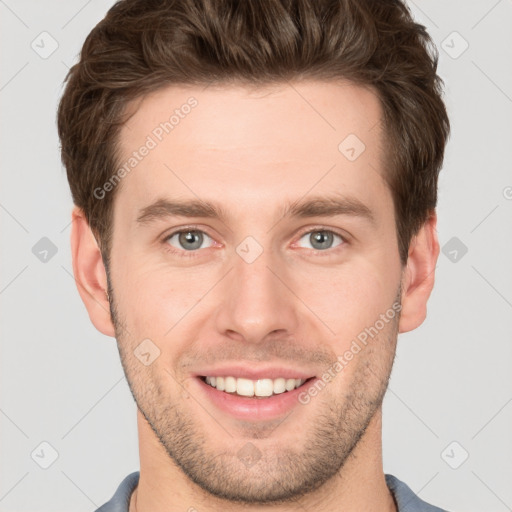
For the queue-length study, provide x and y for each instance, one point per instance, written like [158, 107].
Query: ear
[419, 275]
[90, 274]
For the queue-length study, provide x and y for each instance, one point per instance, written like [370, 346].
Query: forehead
[252, 144]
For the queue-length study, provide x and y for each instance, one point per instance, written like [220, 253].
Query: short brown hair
[144, 45]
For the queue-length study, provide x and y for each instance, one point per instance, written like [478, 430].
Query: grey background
[62, 382]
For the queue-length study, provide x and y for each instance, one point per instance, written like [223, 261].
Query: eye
[321, 239]
[186, 242]
[187, 239]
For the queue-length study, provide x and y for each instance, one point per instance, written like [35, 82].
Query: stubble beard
[282, 473]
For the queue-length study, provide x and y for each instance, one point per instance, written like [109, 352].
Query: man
[255, 189]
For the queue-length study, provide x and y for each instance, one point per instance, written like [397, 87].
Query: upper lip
[252, 373]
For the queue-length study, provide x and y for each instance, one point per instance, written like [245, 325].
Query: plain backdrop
[67, 418]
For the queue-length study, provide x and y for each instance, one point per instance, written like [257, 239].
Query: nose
[257, 301]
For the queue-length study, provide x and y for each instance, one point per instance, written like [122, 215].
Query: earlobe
[419, 275]
[89, 272]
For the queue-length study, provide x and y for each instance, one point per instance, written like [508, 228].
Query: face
[255, 243]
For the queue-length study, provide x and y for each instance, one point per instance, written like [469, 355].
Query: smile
[259, 388]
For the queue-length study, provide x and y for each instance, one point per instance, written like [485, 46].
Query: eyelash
[194, 253]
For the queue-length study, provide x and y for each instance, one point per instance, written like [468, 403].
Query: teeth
[260, 387]
[290, 384]
[245, 387]
[229, 384]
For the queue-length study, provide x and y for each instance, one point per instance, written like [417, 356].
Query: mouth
[248, 392]
[256, 389]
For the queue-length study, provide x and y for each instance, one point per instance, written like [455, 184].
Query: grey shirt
[405, 499]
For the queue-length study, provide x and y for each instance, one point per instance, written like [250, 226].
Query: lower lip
[252, 408]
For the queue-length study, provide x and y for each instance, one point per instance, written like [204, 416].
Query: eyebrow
[318, 206]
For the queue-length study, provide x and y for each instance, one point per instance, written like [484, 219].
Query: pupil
[187, 238]
[321, 238]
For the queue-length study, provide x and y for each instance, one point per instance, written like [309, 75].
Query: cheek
[351, 297]
[156, 298]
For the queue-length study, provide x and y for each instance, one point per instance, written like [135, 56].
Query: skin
[252, 150]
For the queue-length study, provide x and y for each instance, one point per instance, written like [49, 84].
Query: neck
[359, 485]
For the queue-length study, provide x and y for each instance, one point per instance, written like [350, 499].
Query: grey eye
[321, 239]
[189, 240]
